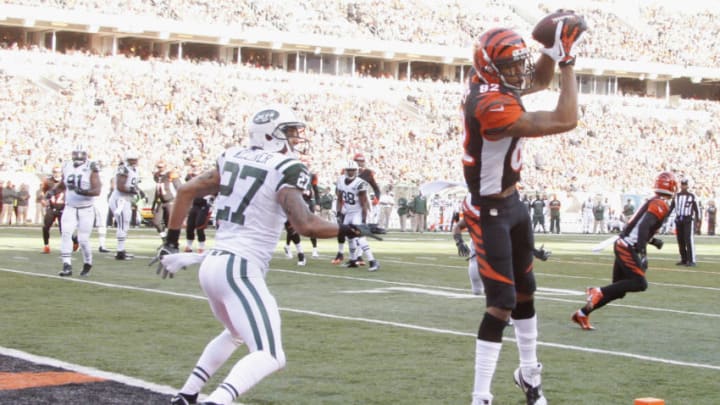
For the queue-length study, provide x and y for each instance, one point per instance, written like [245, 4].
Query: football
[544, 31]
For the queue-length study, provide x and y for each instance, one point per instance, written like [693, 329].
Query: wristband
[173, 235]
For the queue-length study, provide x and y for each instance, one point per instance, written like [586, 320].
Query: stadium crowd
[641, 31]
[187, 110]
[409, 130]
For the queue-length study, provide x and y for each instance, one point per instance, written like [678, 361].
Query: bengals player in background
[630, 248]
[199, 214]
[166, 185]
[54, 203]
[496, 124]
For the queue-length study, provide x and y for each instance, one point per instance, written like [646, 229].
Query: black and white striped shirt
[685, 206]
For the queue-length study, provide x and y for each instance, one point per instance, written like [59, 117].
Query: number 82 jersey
[249, 216]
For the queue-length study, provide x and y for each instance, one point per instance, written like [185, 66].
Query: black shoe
[184, 399]
[103, 250]
[681, 263]
[122, 255]
[86, 269]
[351, 264]
[301, 259]
[533, 392]
[374, 265]
[66, 271]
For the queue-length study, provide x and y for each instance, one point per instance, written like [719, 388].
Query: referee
[686, 212]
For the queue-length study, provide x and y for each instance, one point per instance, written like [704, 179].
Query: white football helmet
[270, 127]
[351, 169]
[79, 156]
[131, 158]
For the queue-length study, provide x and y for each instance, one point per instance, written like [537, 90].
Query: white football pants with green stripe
[240, 300]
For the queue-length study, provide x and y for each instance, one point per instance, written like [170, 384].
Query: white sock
[247, 372]
[526, 334]
[486, 358]
[215, 355]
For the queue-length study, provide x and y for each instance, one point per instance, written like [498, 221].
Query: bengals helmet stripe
[494, 50]
[665, 183]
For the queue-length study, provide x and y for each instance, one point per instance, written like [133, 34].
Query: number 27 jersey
[248, 214]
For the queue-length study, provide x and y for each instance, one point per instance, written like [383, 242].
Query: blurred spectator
[23, 200]
[9, 199]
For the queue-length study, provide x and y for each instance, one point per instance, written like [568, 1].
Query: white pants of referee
[80, 219]
[241, 301]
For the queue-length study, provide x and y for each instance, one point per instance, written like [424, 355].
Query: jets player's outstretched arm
[201, 185]
[302, 220]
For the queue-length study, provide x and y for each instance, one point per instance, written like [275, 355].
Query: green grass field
[403, 335]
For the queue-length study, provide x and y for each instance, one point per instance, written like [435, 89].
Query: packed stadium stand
[65, 85]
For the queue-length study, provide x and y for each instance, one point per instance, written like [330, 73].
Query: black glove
[164, 249]
[658, 243]
[643, 260]
[340, 218]
[462, 247]
[355, 231]
[541, 253]
[170, 246]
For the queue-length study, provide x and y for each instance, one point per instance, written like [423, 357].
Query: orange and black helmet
[665, 183]
[501, 56]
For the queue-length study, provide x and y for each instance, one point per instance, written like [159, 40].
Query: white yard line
[404, 325]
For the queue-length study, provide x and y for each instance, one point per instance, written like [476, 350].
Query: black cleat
[374, 265]
[122, 255]
[184, 399]
[86, 269]
[530, 385]
[103, 250]
[351, 264]
[66, 271]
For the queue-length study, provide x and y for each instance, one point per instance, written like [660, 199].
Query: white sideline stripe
[93, 372]
[395, 324]
[135, 382]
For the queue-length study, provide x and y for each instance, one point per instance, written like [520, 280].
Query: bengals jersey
[490, 165]
[645, 223]
[166, 185]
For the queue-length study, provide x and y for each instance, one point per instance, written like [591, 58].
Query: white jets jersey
[351, 193]
[78, 178]
[249, 217]
[132, 179]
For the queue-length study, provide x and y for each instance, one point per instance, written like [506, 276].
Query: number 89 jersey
[248, 214]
